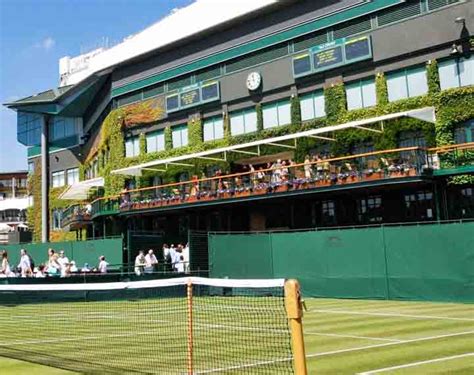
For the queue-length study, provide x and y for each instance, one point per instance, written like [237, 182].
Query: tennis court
[341, 337]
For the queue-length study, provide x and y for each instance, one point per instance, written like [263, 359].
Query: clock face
[254, 80]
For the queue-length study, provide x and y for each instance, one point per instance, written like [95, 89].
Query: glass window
[180, 136]
[407, 83]
[132, 147]
[276, 114]
[370, 209]
[213, 128]
[419, 205]
[62, 127]
[155, 141]
[243, 122]
[312, 106]
[29, 128]
[328, 212]
[456, 73]
[72, 176]
[57, 179]
[361, 94]
[464, 133]
[31, 167]
[56, 222]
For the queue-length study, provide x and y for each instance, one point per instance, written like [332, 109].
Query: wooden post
[294, 312]
[190, 326]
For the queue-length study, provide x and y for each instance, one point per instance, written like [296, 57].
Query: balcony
[374, 168]
[77, 216]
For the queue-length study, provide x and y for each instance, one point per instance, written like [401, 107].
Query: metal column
[44, 180]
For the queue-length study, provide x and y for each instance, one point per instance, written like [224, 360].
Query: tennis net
[185, 325]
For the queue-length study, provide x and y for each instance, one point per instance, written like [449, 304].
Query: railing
[76, 213]
[286, 177]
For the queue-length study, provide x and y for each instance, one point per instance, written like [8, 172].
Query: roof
[324, 133]
[80, 190]
[47, 96]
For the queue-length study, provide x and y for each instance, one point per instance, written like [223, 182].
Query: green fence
[79, 251]
[417, 262]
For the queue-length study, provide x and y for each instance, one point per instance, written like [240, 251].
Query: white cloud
[46, 44]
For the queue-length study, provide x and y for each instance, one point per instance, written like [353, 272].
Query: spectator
[40, 274]
[140, 263]
[151, 262]
[177, 257]
[5, 270]
[186, 258]
[102, 265]
[53, 267]
[172, 256]
[166, 256]
[307, 167]
[86, 268]
[25, 264]
[63, 261]
[179, 264]
[73, 267]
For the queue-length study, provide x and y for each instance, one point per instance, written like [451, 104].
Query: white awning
[14, 204]
[253, 148]
[80, 190]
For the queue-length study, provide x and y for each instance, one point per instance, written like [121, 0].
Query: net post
[294, 313]
[189, 293]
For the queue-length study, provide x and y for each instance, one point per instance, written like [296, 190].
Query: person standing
[25, 264]
[63, 262]
[185, 255]
[151, 262]
[140, 263]
[102, 265]
[5, 270]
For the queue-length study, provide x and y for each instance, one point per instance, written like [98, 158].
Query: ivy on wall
[335, 103]
[295, 111]
[195, 131]
[259, 112]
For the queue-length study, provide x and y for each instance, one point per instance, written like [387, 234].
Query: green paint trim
[345, 15]
[454, 171]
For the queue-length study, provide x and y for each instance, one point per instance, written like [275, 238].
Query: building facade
[298, 114]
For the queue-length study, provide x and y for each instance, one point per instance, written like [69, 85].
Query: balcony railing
[284, 178]
[76, 214]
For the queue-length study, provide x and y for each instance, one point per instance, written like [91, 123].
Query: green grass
[341, 336]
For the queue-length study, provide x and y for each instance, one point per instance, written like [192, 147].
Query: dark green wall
[417, 262]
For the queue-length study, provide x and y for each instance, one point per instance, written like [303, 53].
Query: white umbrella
[5, 228]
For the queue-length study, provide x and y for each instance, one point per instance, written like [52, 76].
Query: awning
[5, 228]
[14, 204]
[285, 141]
[80, 190]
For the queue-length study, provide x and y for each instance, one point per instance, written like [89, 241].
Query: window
[62, 127]
[31, 167]
[456, 73]
[312, 106]
[72, 176]
[410, 139]
[243, 122]
[58, 179]
[464, 133]
[407, 83]
[56, 222]
[29, 128]
[180, 136]
[155, 141]
[213, 128]
[132, 147]
[370, 209]
[361, 94]
[276, 114]
[419, 205]
[328, 212]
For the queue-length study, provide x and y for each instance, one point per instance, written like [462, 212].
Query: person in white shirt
[40, 272]
[172, 256]
[140, 263]
[5, 270]
[180, 264]
[86, 268]
[151, 262]
[102, 265]
[25, 264]
[186, 258]
[63, 262]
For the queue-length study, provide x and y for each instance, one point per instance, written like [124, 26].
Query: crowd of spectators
[175, 259]
[56, 265]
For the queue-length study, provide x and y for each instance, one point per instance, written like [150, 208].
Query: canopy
[5, 228]
[14, 204]
[80, 190]
[253, 148]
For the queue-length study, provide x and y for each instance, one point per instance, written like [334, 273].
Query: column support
[44, 180]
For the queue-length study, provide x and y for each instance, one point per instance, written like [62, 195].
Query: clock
[254, 81]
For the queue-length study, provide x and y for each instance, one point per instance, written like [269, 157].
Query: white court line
[391, 314]
[390, 344]
[413, 364]
[351, 336]
[258, 364]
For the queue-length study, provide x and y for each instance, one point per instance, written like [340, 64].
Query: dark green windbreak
[416, 262]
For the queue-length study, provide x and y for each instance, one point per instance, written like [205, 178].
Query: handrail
[446, 148]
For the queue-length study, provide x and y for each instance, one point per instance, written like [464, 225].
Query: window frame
[213, 122]
[277, 105]
[180, 129]
[456, 61]
[243, 113]
[75, 171]
[405, 73]
[135, 142]
[55, 175]
[359, 85]
[152, 138]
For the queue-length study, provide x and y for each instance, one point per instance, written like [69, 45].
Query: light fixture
[455, 49]
[460, 20]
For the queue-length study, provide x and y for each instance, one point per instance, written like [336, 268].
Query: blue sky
[35, 34]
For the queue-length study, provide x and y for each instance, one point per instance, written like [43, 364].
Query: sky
[35, 34]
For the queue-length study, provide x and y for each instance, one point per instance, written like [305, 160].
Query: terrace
[393, 166]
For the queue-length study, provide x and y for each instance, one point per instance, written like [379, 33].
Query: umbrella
[5, 228]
